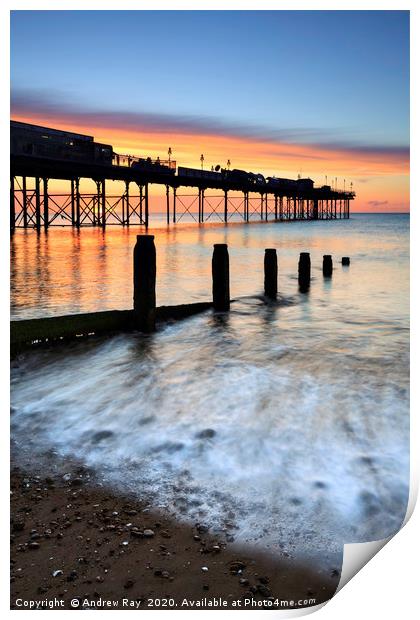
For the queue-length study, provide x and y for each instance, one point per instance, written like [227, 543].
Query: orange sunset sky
[380, 179]
[294, 97]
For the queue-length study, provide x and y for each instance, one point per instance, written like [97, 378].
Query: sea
[289, 420]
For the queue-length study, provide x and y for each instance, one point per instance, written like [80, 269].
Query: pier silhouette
[43, 154]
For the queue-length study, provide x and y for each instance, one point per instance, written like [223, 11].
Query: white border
[389, 583]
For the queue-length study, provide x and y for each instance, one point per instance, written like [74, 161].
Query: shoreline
[74, 540]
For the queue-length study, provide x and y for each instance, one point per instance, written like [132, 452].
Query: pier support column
[294, 207]
[144, 281]
[24, 203]
[72, 203]
[226, 207]
[270, 273]
[37, 204]
[327, 266]
[174, 208]
[304, 271]
[77, 187]
[261, 206]
[276, 207]
[103, 203]
[141, 199]
[146, 205]
[46, 211]
[266, 207]
[96, 205]
[220, 274]
[127, 202]
[167, 205]
[315, 210]
[12, 203]
[202, 206]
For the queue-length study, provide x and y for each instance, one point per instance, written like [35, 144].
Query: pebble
[204, 569]
[148, 533]
[57, 573]
[33, 545]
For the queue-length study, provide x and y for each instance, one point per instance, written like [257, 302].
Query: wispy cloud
[56, 107]
[377, 203]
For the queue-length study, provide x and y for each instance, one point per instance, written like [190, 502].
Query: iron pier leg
[276, 207]
[202, 206]
[141, 199]
[125, 202]
[24, 203]
[167, 205]
[266, 207]
[37, 204]
[103, 196]
[174, 207]
[96, 202]
[146, 204]
[46, 214]
[262, 207]
[12, 204]
[294, 208]
[127, 213]
[77, 185]
[72, 202]
[226, 206]
[244, 206]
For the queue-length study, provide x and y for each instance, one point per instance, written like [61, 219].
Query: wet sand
[72, 540]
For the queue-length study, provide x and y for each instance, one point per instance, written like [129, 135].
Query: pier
[39, 155]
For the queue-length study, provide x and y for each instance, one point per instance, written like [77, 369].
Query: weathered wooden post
[145, 283]
[304, 271]
[220, 272]
[270, 273]
[327, 266]
[345, 261]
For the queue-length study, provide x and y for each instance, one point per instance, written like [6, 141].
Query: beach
[72, 539]
[268, 436]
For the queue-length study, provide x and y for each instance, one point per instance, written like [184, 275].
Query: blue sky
[322, 77]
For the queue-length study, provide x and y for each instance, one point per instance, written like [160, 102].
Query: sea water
[286, 422]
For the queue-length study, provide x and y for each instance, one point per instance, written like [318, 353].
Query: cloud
[56, 106]
[377, 203]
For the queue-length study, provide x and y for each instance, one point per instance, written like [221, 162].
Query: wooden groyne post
[304, 271]
[144, 282]
[345, 261]
[270, 273]
[327, 265]
[220, 274]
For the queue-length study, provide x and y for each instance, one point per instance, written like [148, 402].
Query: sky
[316, 93]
